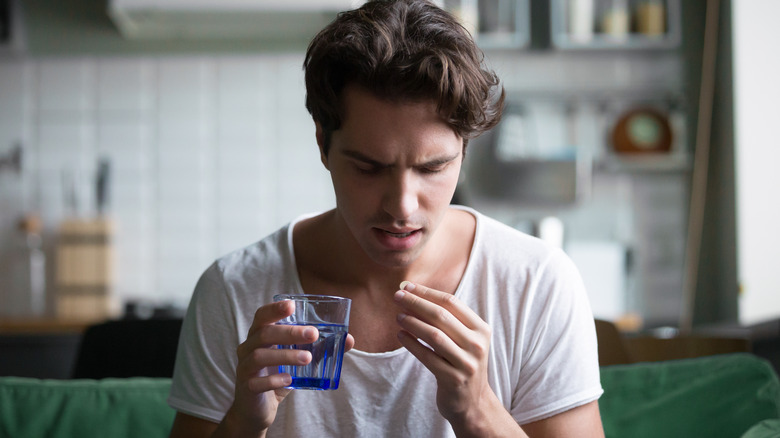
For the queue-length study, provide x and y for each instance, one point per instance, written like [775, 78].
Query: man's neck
[328, 256]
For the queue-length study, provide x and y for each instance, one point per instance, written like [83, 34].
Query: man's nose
[401, 198]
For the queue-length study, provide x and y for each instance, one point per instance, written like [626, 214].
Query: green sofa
[734, 395]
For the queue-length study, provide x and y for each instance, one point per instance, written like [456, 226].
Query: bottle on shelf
[651, 18]
[31, 273]
[614, 19]
[581, 20]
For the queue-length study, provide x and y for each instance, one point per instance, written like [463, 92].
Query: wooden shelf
[39, 326]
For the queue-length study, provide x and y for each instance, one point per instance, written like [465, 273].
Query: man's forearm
[491, 419]
[230, 428]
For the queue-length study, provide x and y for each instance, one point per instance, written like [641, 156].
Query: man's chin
[395, 259]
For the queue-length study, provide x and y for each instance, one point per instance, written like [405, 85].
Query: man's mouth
[400, 235]
[398, 239]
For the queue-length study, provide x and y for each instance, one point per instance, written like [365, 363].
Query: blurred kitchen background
[141, 139]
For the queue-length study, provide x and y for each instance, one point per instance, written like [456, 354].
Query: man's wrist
[232, 426]
[489, 419]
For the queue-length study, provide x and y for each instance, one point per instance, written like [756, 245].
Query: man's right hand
[259, 387]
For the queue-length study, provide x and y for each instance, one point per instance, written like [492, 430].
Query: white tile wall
[207, 154]
[125, 85]
[66, 85]
[15, 189]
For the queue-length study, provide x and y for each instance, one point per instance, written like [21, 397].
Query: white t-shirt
[543, 354]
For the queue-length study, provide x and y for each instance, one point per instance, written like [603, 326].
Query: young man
[489, 333]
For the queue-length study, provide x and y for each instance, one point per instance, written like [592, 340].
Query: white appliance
[273, 20]
[602, 265]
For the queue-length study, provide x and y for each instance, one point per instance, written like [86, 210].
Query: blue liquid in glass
[324, 370]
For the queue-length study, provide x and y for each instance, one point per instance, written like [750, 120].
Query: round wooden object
[642, 130]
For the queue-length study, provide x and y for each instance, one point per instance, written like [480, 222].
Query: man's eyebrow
[439, 161]
[355, 155]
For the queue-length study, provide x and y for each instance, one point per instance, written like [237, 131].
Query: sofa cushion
[715, 396]
[116, 408]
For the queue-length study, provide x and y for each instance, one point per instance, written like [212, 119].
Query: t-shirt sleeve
[559, 368]
[204, 373]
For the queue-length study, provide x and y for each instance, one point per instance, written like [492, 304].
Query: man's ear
[321, 143]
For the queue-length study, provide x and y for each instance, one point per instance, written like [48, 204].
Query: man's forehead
[353, 92]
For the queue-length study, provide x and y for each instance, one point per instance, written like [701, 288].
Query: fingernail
[310, 333]
[407, 285]
[303, 357]
[286, 379]
[399, 295]
[401, 317]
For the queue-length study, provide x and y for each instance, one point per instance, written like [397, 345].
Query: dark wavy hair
[403, 50]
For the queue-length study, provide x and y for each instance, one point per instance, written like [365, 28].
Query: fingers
[430, 359]
[264, 331]
[274, 382]
[439, 352]
[451, 330]
[432, 301]
[278, 334]
[270, 314]
[440, 309]
[258, 355]
[259, 368]
[252, 360]
[273, 357]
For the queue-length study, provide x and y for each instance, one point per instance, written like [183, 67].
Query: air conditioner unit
[225, 19]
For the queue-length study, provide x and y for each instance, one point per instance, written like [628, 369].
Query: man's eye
[433, 169]
[367, 170]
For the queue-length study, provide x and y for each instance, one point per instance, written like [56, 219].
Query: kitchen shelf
[595, 39]
[42, 325]
[661, 162]
[495, 24]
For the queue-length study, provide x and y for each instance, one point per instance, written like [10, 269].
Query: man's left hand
[453, 343]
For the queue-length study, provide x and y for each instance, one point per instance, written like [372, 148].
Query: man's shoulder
[269, 250]
[504, 244]
[248, 276]
[493, 230]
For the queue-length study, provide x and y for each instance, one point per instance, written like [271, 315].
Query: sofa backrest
[712, 396]
[109, 408]
[716, 396]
